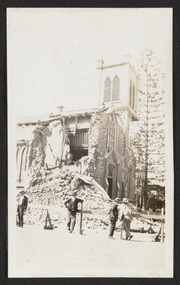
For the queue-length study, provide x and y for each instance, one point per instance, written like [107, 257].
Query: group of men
[71, 204]
[125, 217]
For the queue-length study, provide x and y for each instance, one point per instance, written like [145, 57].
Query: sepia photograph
[90, 142]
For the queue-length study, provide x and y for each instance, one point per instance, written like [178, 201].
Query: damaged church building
[93, 141]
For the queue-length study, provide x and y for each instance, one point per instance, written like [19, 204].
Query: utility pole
[101, 67]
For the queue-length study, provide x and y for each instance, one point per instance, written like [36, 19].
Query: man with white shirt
[126, 218]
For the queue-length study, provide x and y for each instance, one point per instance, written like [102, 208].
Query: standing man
[126, 218]
[72, 205]
[113, 217]
[22, 206]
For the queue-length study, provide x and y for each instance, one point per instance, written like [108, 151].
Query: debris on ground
[53, 187]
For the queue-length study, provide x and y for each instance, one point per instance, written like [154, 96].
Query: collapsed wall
[47, 147]
[53, 188]
[109, 154]
[49, 183]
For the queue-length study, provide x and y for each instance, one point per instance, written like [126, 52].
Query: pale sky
[53, 52]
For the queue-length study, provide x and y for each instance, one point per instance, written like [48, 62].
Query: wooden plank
[95, 212]
[154, 217]
[85, 179]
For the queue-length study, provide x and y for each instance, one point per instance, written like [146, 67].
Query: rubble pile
[50, 191]
[51, 188]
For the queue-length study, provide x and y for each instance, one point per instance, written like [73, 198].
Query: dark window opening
[79, 144]
[110, 171]
[78, 153]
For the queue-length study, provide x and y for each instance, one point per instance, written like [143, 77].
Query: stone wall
[57, 146]
[98, 147]
[38, 146]
[108, 144]
[102, 149]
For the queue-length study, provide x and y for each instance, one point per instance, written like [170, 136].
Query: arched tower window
[115, 92]
[107, 89]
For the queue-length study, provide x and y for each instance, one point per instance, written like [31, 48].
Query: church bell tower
[119, 85]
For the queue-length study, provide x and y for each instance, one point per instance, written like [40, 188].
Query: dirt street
[57, 253]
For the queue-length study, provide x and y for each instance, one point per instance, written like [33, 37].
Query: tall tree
[151, 114]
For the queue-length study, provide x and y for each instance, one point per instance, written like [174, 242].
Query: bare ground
[57, 253]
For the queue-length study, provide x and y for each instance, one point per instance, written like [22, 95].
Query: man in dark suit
[22, 206]
[113, 216]
[72, 205]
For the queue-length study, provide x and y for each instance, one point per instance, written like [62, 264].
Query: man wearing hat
[72, 205]
[22, 206]
[126, 218]
[113, 216]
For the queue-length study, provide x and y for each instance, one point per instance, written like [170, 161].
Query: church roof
[34, 119]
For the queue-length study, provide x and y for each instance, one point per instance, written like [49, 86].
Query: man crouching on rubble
[72, 205]
[113, 217]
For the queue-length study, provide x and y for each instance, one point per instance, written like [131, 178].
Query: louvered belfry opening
[116, 85]
[107, 90]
